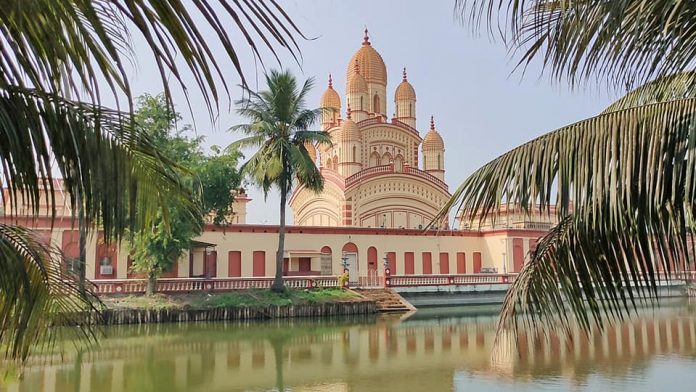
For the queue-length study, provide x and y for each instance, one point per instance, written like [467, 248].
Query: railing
[186, 285]
[381, 120]
[449, 280]
[370, 172]
[421, 173]
[477, 279]
[389, 169]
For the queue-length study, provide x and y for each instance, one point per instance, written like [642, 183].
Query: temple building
[384, 182]
[379, 172]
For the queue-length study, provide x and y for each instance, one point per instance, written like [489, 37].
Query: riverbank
[236, 305]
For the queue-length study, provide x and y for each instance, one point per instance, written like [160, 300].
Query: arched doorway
[326, 261]
[373, 278]
[350, 253]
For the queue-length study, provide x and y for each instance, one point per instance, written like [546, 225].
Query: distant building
[379, 172]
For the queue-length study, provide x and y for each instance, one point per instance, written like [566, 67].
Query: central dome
[370, 63]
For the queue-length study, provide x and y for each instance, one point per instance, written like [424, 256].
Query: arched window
[425, 162]
[410, 110]
[374, 159]
[375, 104]
[439, 162]
[354, 154]
[328, 164]
[335, 162]
[361, 102]
[386, 158]
[398, 163]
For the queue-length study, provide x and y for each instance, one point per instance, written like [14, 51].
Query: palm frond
[98, 153]
[585, 272]
[37, 297]
[637, 157]
[627, 43]
[70, 45]
[622, 184]
[668, 88]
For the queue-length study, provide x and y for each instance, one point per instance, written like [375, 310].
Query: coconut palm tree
[623, 182]
[59, 60]
[279, 128]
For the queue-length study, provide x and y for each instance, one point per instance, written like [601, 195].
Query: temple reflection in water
[357, 355]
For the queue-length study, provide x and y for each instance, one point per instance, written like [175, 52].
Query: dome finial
[405, 79]
[330, 81]
[432, 123]
[348, 111]
[366, 39]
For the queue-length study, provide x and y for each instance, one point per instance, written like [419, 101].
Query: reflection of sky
[663, 373]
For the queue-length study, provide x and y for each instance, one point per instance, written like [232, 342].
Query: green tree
[157, 247]
[211, 179]
[220, 179]
[59, 57]
[623, 182]
[279, 129]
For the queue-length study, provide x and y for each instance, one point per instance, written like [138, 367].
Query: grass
[240, 298]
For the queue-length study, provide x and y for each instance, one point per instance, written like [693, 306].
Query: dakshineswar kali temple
[384, 182]
[373, 173]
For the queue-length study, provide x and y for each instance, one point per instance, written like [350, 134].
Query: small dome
[330, 98]
[405, 92]
[349, 129]
[311, 150]
[356, 83]
[432, 140]
[371, 64]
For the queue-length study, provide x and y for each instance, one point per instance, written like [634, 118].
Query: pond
[433, 350]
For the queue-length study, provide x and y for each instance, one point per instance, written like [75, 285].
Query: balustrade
[187, 285]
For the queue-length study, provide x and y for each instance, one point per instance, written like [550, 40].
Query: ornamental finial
[330, 82]
[404, 76]
[366, 39]
[432, 123]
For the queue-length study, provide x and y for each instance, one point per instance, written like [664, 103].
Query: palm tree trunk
[278, 281]
[82, 231]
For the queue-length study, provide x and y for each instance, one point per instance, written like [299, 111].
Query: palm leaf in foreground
[36, 296]
[623, 184]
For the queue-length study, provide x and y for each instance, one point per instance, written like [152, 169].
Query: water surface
[434, 350]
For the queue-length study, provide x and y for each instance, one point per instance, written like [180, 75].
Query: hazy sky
[481, 107]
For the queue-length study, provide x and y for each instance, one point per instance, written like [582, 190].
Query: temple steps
[387, 300]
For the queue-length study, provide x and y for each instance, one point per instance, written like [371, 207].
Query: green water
[434, 350]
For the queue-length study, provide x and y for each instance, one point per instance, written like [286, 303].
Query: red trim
[427, 263]
[409, 263]
[255, 228]
[477, 262]
[234, 263]
[444, 263]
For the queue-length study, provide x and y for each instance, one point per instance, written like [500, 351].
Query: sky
[482, 106]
